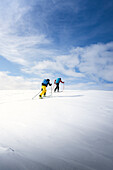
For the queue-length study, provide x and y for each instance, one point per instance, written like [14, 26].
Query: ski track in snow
[72, 130]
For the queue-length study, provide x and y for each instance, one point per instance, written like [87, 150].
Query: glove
[51, 84]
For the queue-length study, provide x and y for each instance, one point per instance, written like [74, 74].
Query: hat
[48, 80]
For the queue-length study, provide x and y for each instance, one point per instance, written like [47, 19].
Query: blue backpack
[58, 80]
[45, 82]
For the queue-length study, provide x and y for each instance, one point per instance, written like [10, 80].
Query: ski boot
[44, 94]
[40, 97]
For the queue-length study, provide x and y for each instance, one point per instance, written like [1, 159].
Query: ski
[46, 97]
[59, 91]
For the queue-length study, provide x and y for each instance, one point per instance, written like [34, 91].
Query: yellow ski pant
[43, 90]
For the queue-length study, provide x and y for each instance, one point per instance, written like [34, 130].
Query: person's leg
[43, 91]
[55, 88]
[44, 94]
[58, 87]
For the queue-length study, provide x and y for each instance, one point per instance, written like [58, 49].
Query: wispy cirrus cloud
[22, 50]
[20, 41]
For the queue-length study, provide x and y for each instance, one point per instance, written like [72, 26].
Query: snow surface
[72, 130]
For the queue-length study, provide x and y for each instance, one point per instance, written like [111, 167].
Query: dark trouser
[57, 87]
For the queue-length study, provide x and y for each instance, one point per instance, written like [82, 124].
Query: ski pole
[36, 94]
[63, 86]
[53, 87]
[51, 90]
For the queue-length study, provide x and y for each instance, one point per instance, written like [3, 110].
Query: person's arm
[50, 83]
[61, 81]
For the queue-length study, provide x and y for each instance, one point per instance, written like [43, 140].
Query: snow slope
[72, 130]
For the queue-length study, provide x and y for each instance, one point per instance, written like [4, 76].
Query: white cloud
[69, 60]
[19, 39]
[96, 61]
[8, 82]
[81, 86]
[22, 50]
[54, 67]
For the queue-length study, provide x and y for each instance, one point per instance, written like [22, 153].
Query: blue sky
[72, 39]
